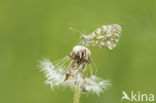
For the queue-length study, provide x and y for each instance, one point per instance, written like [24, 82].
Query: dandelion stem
[77, 93]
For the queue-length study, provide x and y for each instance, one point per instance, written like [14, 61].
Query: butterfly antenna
[73, 29]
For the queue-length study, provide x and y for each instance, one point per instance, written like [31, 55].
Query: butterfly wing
[106, 36]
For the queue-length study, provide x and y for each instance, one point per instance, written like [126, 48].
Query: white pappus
[71, 70]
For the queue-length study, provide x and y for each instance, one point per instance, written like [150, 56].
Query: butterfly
[106, 36]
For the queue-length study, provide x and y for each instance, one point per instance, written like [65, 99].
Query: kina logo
[137, 96]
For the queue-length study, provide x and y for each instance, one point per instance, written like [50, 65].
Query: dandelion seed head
[55, 77]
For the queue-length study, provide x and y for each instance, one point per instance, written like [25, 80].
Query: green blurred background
[33, 29]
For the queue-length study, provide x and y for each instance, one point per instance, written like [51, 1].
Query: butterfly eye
[83, 37]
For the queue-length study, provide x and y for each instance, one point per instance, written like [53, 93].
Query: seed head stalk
[77, 93]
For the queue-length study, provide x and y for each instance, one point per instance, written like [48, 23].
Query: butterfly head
[84, 39]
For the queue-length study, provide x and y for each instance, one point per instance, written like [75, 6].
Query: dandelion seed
[74, 73]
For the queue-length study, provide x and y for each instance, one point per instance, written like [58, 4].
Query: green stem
[77, 93]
